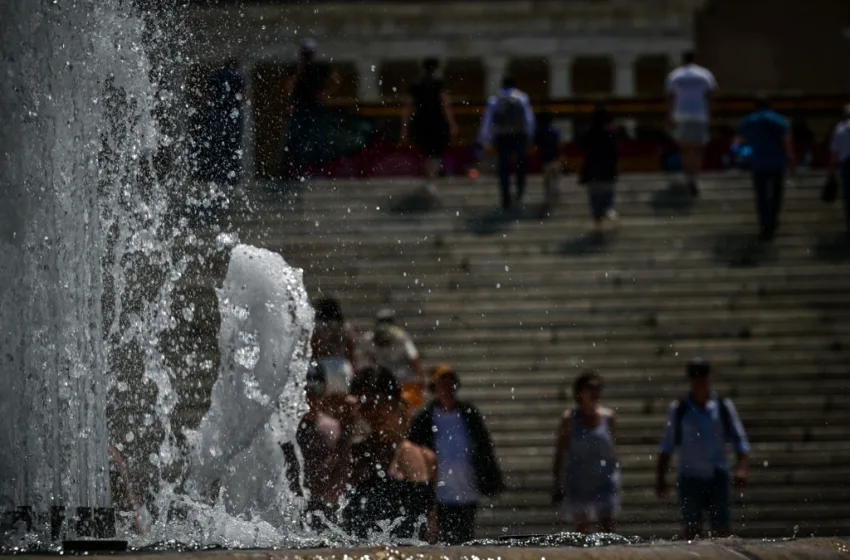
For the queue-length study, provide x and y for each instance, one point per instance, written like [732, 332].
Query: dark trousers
[712, 496]
[600, 194]
[510, 146]
[845, 190]
[769, 186]
[456, 523]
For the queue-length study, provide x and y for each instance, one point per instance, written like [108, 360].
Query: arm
[742, 446]
[406, 113]
[351, 347]
[788, 142]
[414, 360]
[529, 118]
[665, 453]
[833, 154]
[449, 112]
[661, 489]
[289, 88]
[562, 446]
[671, 97]
[331, 86]
[486, 133]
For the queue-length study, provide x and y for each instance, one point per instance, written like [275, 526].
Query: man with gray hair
[839, 161]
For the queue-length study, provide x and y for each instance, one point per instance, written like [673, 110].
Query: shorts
[691, 132]
[712, 495]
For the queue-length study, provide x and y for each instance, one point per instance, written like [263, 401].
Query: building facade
[555, 49]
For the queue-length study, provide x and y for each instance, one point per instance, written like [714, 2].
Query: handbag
[829, 192]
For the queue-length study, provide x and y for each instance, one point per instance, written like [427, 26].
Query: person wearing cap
[768, 134]
[467, 467]
[307, 90]
[392, 347]
[839, 162]
[699, 426]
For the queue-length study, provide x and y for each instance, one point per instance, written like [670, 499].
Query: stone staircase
[521, 305]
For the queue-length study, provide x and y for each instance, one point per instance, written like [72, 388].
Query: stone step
[647, 397]
[636, 499]
[792, 456]
[671, 529]
[628, 382]
[629, 425]
[822, 433]
[644, 479]
[629, 406]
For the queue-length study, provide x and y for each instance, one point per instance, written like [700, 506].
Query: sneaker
[612, 215]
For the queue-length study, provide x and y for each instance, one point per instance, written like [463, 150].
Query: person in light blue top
[586, 472]
[768, 134]
[508, 125]
[699, 427]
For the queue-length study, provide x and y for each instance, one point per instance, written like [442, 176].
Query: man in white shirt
[689, 89]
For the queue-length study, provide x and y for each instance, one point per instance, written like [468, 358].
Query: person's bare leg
[581, 525]
[432, 170]
[691, 164]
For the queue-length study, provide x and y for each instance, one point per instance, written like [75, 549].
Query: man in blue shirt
[698, 428]
[508, 124]
[768, 134]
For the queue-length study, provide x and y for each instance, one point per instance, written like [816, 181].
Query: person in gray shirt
[698, 428]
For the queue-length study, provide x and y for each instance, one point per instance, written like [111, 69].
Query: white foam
[266, 323]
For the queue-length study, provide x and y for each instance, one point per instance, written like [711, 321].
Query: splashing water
[92, 247]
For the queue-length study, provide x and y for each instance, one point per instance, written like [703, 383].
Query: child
[586, 472]
[601, 160]
[547, 138]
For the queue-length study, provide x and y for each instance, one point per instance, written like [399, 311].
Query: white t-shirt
[690, 85]
[455, 475]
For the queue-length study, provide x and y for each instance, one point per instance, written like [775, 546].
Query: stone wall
[771, 45]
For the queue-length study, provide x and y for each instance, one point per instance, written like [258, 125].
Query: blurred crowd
[765, 143]
[378, 460]
[388, 448]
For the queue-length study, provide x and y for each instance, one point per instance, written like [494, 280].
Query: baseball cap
[698, 367]
[308, 45]
[443, 370]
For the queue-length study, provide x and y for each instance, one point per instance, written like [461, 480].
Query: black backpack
[682, 408]
[509, 115]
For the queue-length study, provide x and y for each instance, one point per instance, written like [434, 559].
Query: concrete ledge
[731, 549]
